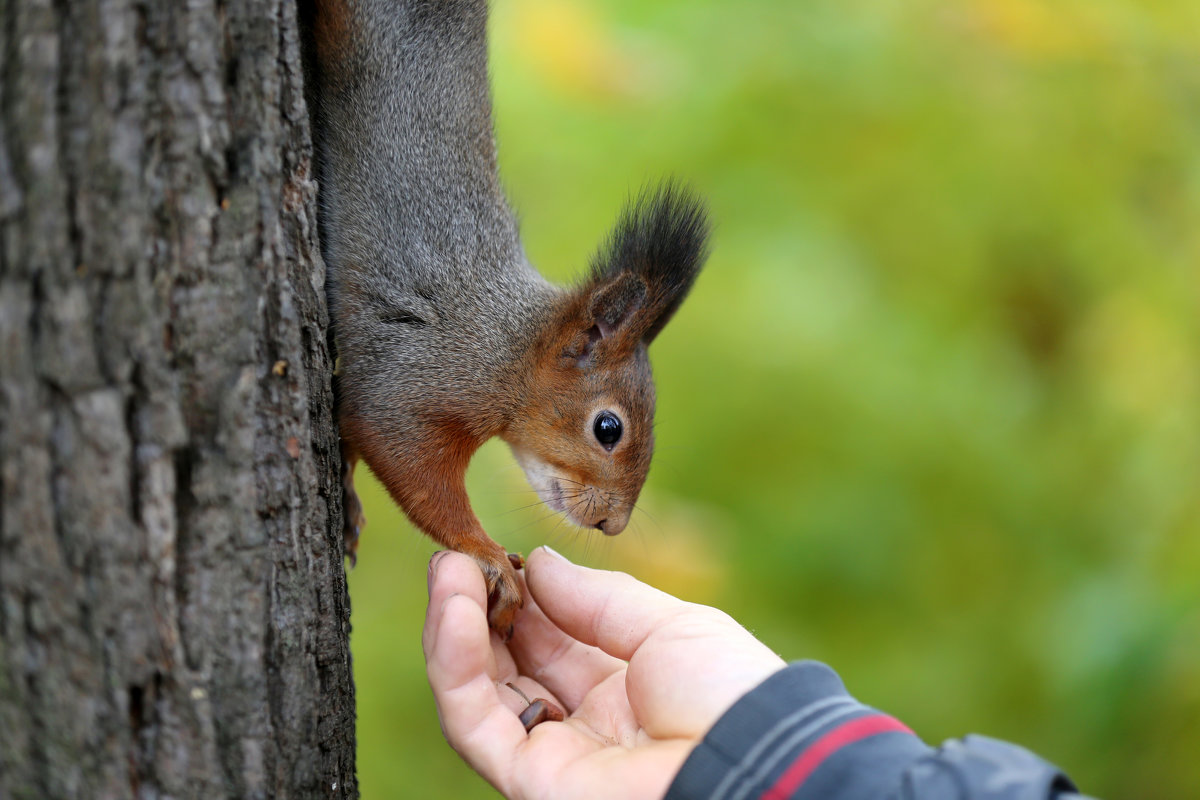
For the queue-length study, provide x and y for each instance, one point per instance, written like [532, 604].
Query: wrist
[795, 735]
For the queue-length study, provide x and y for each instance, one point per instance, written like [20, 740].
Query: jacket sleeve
[800, 735]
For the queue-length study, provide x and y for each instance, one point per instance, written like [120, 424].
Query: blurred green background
[931, 413]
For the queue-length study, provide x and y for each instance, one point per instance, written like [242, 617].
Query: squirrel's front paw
[504, 592]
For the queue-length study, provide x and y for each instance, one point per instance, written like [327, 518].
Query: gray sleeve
[978, 768]
[801, 736]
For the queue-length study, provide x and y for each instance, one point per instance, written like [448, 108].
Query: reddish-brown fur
[332, 29]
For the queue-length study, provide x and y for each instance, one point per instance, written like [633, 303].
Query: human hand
[641, 674]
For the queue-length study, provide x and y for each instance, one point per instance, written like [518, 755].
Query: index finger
[610, 610]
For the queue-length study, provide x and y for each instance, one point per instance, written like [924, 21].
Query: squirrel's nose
[612, 525]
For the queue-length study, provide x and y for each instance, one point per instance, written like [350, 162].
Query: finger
[457, 582]
[610, 610]
[567, 667]
[461, 575]
[475, 720]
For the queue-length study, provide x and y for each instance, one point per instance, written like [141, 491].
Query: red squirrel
[446, 336]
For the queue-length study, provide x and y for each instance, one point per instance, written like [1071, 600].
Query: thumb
[610, 610]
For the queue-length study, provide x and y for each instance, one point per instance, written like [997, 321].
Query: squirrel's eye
[607, 429]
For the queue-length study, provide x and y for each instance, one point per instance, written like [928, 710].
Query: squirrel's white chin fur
[550, 487]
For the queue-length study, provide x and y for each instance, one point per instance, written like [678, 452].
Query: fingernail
[551, 551]
[432, 571]
[446, 602]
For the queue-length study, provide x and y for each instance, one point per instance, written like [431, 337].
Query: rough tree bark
[173, 608]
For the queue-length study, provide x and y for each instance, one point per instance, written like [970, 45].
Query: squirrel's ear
[661, 240]
[605, 313]
[613, 302]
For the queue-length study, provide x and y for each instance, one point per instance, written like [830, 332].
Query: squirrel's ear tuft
[661, 237]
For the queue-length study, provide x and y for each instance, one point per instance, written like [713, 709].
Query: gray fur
[415, 219]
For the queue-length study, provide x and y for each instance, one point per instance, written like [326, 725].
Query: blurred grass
[930, 415]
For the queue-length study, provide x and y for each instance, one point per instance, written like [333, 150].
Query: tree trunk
[173, 607]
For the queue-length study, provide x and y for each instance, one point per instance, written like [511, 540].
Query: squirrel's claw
[504, 591]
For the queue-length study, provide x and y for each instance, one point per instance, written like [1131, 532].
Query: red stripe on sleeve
[808, 761]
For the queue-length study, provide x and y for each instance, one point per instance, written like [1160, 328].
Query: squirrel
[445, 334]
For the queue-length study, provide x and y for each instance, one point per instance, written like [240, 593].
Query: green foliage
[930, 415]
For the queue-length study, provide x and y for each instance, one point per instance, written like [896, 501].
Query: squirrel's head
[585, 433]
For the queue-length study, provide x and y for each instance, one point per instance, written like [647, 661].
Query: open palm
[642, 676]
